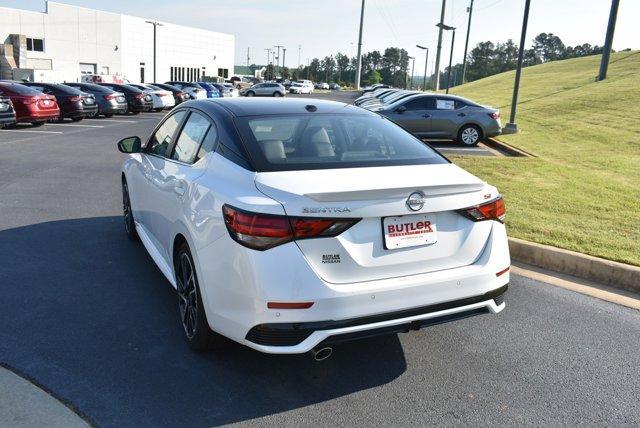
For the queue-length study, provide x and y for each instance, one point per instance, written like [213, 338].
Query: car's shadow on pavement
[86, 313]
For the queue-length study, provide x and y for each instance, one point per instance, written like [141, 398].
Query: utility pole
[453, 39]
[299, 50]
[278, 58]
[426, 63]
[155, 25]
[512, 127]
[248, 58]
[439, 48]
[268, 58]
[466, 43]
[359, 68]
[284, 57]
[608, 41]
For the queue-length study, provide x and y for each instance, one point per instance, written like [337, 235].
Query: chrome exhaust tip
[322, 353]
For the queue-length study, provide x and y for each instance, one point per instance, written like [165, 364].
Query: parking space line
[29, 130]
[75, 125]
[113, 120]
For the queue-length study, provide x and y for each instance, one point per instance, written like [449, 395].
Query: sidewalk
[22, 404]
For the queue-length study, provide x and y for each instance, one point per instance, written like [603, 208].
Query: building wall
[116, 44]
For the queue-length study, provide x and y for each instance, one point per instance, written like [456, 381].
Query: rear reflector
[495, 115]
[289, 305]
[263, 231]
[492, 210]
[502, 272]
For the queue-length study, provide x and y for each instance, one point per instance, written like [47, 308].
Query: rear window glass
[324, 141]
[21, 89]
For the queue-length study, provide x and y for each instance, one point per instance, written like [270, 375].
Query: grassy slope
[583, 191]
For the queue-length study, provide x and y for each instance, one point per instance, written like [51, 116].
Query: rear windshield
[325, 141]
[20, 89]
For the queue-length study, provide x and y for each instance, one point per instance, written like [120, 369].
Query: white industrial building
[65, 42]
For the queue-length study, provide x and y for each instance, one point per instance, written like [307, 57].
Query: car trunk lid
[378, 196]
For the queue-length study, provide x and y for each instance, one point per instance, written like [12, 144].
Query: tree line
[392, 65]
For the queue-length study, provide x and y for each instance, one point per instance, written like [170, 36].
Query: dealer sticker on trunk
[409, 231]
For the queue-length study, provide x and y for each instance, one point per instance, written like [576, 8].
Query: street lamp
[512, 127]
[426, 62]
[413, 66]
[448, 28]
[155, 25]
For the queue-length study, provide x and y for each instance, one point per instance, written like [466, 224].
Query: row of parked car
[432, 115]
[37, 103]
[280, 87]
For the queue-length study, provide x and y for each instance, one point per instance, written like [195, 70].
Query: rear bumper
[301, 337]
[237, 284]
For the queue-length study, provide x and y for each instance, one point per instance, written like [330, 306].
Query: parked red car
[30, 105]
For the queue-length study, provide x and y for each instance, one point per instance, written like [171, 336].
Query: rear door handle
[461, 114]
[426, 115]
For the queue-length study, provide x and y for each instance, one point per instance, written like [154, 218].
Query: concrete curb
[24, 404]
[606, 272]
[507, 148]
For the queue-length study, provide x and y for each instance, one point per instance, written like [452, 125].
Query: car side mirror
[130, 145]
[401, 109]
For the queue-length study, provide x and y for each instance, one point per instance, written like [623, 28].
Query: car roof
[254, 106]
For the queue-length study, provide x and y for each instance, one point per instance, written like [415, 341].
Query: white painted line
[113, 120]
[28, 130]
[468, 149]
[71, 124]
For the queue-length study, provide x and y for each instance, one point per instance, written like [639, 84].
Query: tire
[277, 94]
[77, 119]
[134, 112]
[108, 115]
[127, 212]
[192, 315]
[157, 110]
[251, 94]
[469, 135]
[36, 124]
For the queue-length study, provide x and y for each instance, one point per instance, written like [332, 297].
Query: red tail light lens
[110, 97]
[75, 98]
[30, 100]
[493, 210]
[139, 96]
[264, 231]
[495, 115]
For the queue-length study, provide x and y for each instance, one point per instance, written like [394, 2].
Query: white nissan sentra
[291, 225]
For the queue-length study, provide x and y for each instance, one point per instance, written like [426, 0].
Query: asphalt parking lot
[87, 315]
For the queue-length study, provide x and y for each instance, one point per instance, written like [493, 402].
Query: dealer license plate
[409, 231]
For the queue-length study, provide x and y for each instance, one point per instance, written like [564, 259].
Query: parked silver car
[444, 117]
[267, 89]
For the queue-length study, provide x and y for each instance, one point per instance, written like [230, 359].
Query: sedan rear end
[30, 105]
[7, 113]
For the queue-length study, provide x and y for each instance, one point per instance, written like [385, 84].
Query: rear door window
[162, 138]
[445, 104]
[192, 134]
[420, 103]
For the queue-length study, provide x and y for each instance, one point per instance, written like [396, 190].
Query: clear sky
[329, 26]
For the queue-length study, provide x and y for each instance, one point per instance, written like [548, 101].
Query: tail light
[75, 98]
[493, 210]
[29, 100]
[263, 231]
[110, 97]
[139, 96]
[495, 115]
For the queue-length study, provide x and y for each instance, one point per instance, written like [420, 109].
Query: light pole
[426, 62]
[413, 66]
[466, 43]
[606, 51]
[447, 28]
[299, 51]
[453, 39]
[284, 57]
[278, 58]
[512, 127]
[439, 48]
[268, 58]
[155, 25]
[359, 68]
